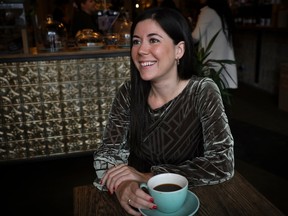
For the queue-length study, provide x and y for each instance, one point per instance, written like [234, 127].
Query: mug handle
[144, 187]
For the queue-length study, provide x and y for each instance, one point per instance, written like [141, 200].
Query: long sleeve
[114, 149]
[217, 163]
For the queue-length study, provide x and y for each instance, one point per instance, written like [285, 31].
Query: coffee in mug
[167, 187]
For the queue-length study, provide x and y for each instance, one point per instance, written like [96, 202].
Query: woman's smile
[148, 63]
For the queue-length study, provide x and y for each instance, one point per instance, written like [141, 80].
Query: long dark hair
[224, 11]
[178, 29]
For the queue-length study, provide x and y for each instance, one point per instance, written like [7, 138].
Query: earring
[178, 61]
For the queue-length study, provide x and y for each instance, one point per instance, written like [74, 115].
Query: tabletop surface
[234, 197]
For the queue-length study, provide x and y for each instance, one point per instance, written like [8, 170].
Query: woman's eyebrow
[154, 34]
[136, 36]
[149, 35]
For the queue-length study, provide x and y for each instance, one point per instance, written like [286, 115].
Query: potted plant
[207, 68]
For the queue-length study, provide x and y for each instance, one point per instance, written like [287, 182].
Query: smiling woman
[165, 118]
[155, 55]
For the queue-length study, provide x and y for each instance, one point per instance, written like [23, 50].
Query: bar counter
[74, 53]
[56, 104]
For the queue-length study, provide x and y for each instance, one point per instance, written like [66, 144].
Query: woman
[166, 119]
[216, 15]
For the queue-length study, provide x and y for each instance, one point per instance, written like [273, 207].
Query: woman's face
[153, 52]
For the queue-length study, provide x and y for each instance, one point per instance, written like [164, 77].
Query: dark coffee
[167, 187]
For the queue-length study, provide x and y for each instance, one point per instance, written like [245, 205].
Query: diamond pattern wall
[56, 107]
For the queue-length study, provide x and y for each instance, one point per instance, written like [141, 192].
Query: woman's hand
[124, 181]
[118, 174]
[131, 197]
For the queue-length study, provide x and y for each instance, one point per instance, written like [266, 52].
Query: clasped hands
[124, 181]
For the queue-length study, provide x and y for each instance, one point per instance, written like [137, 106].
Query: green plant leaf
[206, 67]
[211, 42]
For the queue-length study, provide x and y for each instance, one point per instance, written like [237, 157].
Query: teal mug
[169, 191]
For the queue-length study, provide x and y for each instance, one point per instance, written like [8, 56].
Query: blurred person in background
[62, 12]
[85, 16]
[216, 15]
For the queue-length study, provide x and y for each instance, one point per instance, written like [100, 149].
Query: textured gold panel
[56, 107]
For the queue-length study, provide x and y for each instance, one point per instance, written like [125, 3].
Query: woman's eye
[154, 40]
[136, 42]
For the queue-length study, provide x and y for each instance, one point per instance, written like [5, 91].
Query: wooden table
[234, 197]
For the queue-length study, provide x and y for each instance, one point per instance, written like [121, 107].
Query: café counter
[56, 104]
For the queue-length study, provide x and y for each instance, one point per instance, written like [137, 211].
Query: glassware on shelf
[122, 26]
[111, 40]
[88, 39]
[53, 35]
[124, 34]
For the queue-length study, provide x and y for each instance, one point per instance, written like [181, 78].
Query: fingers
[135, 197]
[113, 176]
[130, 209]
[131, 198]
[116, 175]
[126, 197]
[108, 174]
[143, 200]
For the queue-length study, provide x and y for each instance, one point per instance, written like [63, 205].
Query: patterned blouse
[189, 135]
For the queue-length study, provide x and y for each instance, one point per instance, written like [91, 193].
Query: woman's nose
[143, 49]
